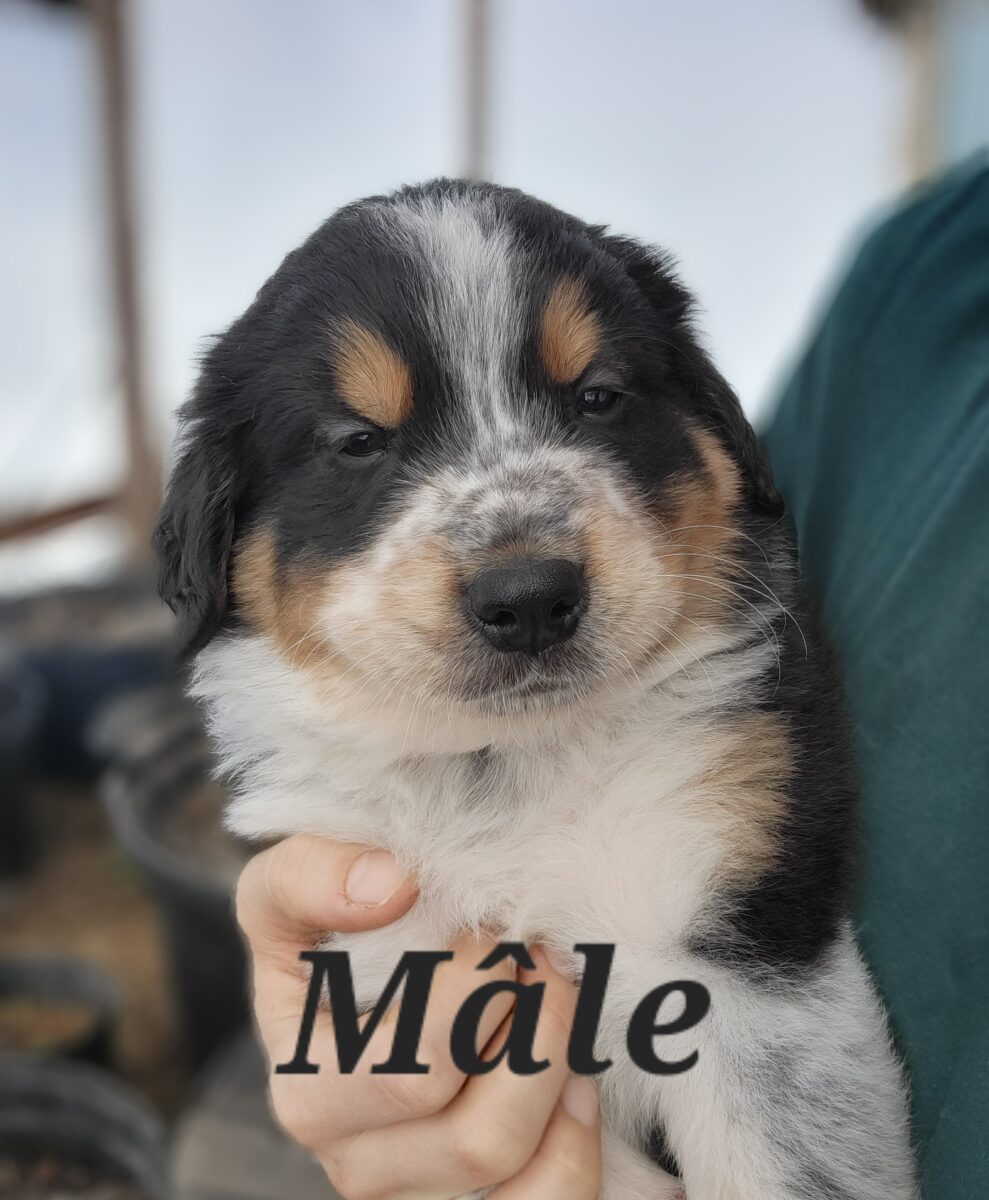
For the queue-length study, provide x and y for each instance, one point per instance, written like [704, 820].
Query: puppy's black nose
[529, 603]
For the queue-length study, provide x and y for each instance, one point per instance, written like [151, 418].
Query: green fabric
[881, 446]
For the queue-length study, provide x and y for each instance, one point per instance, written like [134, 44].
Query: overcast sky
[752, 138]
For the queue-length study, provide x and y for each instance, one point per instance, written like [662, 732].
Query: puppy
[483, 564]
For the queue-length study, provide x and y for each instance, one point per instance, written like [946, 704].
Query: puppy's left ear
[714, 401]
[195, 535]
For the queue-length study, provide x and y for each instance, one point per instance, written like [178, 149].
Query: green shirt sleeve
[881, 446]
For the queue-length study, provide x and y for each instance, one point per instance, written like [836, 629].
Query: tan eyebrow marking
[569, 333]
[371, 376]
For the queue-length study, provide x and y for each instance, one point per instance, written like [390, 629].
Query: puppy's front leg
[796, 1092]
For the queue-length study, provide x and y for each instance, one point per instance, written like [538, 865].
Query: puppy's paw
[629, 1175]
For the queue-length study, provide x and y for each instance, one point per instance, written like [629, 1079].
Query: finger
[567, 1164]
[320, 1109]
[492, 1128]
[289, 894]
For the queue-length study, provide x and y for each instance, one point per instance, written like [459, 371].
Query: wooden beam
[30, 524]
[921, 30]
[142, 485]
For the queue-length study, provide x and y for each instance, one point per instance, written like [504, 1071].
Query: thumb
[307, 885]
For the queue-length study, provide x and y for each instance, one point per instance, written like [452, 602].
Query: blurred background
[157, 160]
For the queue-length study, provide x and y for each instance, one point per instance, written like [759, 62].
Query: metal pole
[477, 18]
[142, 486]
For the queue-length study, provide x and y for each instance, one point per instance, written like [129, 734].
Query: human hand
[411, 1137]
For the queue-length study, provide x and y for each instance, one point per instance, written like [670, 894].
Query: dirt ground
[84, 899]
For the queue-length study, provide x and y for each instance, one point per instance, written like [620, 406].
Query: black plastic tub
[142, 727]
[88, 644]
[165, 814]
[66, 1126]
[22, 711]
[55, 1005]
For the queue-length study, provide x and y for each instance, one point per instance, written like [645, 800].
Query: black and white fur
[581, 795]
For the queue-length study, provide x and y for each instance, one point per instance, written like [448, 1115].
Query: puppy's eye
[593, 402]
[365, 444]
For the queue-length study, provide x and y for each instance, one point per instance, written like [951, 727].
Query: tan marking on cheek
[664, 575]
[371, 376]
[403, 616]
[418, 598]
[700, 529]
[747, 792]
[619, 562]
[253, 579]
[284, 604]
[569, 332]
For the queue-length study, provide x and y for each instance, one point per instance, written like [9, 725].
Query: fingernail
[580, 1099]
[373, 878]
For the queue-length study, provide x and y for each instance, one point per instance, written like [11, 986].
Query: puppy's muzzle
[528, 604]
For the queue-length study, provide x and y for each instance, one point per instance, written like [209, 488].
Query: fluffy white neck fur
[473, 806]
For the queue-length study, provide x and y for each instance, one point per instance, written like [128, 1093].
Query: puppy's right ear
[195, 534]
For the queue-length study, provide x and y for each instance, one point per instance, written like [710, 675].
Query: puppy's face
[462, 453]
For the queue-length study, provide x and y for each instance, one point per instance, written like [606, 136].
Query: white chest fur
[595, 830]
